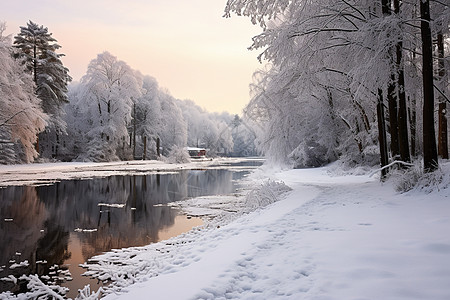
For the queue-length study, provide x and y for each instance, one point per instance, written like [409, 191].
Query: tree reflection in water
[101, 213]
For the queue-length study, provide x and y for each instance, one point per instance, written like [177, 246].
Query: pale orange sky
[185, 44]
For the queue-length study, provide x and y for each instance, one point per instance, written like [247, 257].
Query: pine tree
[38, 47]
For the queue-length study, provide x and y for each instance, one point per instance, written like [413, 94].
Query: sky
[188, 46]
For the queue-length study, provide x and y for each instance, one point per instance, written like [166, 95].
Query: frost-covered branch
[395, 162]
[6, 122]
[318, 30]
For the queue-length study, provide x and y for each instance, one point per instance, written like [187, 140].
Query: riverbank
[331, 237]
[45, 173]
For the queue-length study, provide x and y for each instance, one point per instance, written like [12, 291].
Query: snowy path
[223, 251]
[332, 238]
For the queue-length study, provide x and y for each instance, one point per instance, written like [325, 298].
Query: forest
[113, 113]
[364, 82]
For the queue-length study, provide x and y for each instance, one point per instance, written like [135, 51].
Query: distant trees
[243, 137]
[208, 130]
[332, 62]
[117, 113]
[21, 115]
[113, 113]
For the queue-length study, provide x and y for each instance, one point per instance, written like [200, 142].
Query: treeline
[113, 113]
[350, 80]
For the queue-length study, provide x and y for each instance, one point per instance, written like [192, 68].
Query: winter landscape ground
[331, 236]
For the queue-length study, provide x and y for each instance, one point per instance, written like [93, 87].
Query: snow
[332, 236]
[19, 265]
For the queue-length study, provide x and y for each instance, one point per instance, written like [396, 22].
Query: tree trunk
[442, 131]
[429, 138]
[413, 124]
[393, 121]
[134, 131]
[158, 146]
[402, 109]
[384, 160]
[391, 95]
[413, 107]
[35, 63]
[36, 145]
[57, 145]
[144, 156]
[386, 7]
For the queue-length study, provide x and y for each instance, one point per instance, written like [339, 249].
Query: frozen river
[50, 229]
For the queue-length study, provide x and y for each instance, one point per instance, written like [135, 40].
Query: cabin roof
[194, 149]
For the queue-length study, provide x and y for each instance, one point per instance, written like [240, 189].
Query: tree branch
[354, 8]
[312, 31]
[390, 165]
[12, 117]
[442, 93]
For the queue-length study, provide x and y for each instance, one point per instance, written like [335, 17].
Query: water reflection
[70, 221]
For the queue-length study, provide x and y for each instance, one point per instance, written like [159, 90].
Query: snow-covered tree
[194, 117]
[304, 102]
[173, 130]
[116, 113]
[147, 119]
[106, 96]
[331, 62]
[21, 115]
[78, 124]
[243, 137]
[39, 50]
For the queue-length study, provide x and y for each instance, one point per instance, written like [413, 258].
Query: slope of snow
[331, 237]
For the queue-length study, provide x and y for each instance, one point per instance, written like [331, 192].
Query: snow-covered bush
[87, 294]
[178, 155]
[37, 290]
[415, 178]
[310, 154]
[267, 193]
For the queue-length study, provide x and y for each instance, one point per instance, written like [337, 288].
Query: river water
[49, 230]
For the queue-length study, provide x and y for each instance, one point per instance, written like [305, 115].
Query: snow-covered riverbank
[42, 173]
[330, 237]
